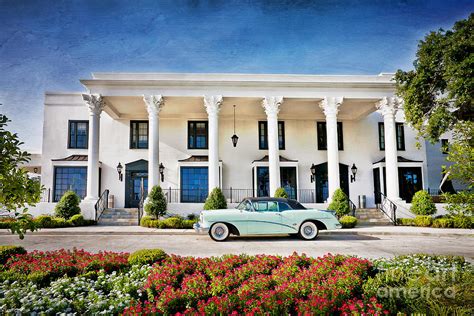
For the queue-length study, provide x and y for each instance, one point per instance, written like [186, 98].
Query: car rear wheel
[219, 232]
[308, 231]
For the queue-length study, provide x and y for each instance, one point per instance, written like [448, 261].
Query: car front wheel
[308, 231]
[219, 232]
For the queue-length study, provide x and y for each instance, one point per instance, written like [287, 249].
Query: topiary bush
[147, 256]
[348, 221]
[44, 221]
[77, 220]
[215, 200]
[422, 204]
[8, 251]
[339, 203]
[423, 220]
[68, 205]
[281, 193]
[156, 202]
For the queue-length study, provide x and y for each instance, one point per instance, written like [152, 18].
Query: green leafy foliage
[77, 220]
[406, 221]
[8, 251]
[462, 221]
[422, 204]
[423, 220]
[461, 155]
[339, 203]
[281, 193]
[348, 221]
[174, 222]
[215, 200]
[68, 205]
[146, 256]
[443, 223]
[156, 202]
[460, 204]
[17, 190]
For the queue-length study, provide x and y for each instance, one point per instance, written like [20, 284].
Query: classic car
[266, 216]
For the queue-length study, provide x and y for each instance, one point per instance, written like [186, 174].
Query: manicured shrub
[5, 223]
[215, 200]
[188, 223]
[44, 221]
[172, 222]
[339, 203]
[156, 202]
[281, 193]
[423, 220]
[406, 221]
[77, 220]
[348, 221]
[443, 223]
[8, 251]
[460, 221]
[68, 205]
[422, 204]
[147, 256]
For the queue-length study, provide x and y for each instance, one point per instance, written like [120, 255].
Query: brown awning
[72, 158]
[196, 158]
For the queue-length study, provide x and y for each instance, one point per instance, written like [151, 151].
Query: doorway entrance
[409, 181]
[136, 173]
[322, 188]
[287, 181]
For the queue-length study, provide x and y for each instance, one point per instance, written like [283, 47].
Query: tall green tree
[438, 93]
[17, 190]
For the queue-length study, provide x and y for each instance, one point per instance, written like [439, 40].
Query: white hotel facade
[184, 122]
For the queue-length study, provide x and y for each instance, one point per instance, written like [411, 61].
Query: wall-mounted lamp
[354, 172]
[35, 170]
[313, 172]
[162, 172]
[119, 170]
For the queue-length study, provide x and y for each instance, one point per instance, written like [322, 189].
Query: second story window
[400, 131]
[322, 136]
[263, 135]
[197, 135]
[78, 134]
[138, 134]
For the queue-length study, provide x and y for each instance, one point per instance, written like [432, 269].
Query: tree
[156, 202]
[281, 193]
[215, 200]
[438, 96]
[339, 203]
[17, 190]
[68, 205]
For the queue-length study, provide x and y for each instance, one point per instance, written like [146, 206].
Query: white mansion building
[308, 134]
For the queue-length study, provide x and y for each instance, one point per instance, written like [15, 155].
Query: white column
[330, 107]
[388, 106]
[213, 104]
[272, 107]
[95, 103]
[153, 103]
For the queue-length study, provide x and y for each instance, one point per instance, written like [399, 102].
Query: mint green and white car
[266, 216]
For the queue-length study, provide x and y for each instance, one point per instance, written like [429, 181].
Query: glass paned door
[194, 184]
[287, 181]
[409, 179]
[263, 181]
[136, 182]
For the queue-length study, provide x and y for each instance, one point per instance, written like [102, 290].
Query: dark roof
[196, 158]
[72, 158]
[282, 159]
[293, 203]
[399, 159]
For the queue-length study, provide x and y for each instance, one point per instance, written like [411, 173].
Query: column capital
[154, 103]
[272, 104]
[389, 105]
[95, 103]
[330, 105]
[213, 103]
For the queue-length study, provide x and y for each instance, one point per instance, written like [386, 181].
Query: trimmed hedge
[47, 221]
[406, 221]
[423, 220]
[443, 223]
[348, 221]
[147, 256]
[175, 222]
[438, 222]
[8, 251]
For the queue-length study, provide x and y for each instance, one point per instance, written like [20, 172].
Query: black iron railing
[237, 195]
[141, 202]
[387, 206]
[101, 204]
[352, 207]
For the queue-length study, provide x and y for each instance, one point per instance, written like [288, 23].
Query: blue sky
[49, 45]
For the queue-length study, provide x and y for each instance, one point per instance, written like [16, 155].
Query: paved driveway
[199, 245]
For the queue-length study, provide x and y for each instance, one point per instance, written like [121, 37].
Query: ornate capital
[95, 103]
[153, 103]
[272, 105]
[212, 103]
[389, 105]
[330, 105]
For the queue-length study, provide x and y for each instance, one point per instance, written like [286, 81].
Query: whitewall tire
[219, 232]
[308, 231]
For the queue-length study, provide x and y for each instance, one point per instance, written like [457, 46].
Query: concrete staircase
[371, 216]
[119, 217]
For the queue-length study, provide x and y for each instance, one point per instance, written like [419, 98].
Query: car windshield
[244, 206]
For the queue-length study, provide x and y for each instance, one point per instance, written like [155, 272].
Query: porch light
[234, 137]
[313, 172]
[162, 174]
[354, 172]
[119, 170]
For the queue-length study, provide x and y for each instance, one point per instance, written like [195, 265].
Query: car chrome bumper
[197, 227]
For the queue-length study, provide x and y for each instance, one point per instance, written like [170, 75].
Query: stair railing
[141, 202]
[388, 207]
[352, 207]
[101, 204]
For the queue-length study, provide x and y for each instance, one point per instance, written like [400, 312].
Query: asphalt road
[202, 245]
